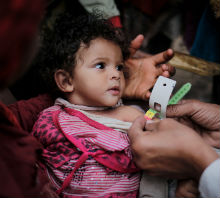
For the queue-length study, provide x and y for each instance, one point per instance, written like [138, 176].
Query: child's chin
[110, 104]
[115, 104]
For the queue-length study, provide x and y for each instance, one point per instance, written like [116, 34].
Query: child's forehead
[99, 47]
[100, 42]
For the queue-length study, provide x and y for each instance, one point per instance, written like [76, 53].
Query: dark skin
[208, 130]
[170, 149]
[192, 112]
[177, 156]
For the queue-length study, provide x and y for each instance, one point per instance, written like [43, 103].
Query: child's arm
[129, 113]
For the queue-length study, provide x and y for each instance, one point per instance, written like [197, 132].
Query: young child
[86, 147]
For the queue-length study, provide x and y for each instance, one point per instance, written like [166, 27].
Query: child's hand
[187, 188]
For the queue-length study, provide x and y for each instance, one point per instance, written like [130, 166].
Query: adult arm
[170, 149]
[26, 111]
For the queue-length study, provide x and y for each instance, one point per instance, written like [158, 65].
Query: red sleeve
[116, 21]
[26, 111]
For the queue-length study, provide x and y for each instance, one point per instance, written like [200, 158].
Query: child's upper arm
[129, 113]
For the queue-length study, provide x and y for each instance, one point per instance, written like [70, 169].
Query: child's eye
[100, 66]
[120, 67]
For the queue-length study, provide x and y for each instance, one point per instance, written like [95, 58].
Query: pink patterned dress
[84, 158]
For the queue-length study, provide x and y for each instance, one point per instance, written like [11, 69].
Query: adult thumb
[137, 127]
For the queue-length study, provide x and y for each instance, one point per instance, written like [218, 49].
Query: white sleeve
[209, 184]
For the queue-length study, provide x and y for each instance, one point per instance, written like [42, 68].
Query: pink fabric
[85, 157]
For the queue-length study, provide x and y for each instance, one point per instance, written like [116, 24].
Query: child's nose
[115, 74]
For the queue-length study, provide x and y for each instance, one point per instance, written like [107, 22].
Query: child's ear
[64, 81]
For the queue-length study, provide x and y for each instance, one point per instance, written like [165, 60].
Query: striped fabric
[109, 174]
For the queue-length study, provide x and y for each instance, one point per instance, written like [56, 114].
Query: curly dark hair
[58, 50]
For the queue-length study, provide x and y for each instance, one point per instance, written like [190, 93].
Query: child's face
[98, 76]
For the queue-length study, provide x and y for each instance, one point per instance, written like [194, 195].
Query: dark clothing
[207, 46]
[26, 111]
[18, 157]
[19, 151]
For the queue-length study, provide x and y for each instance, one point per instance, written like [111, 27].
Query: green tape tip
[180, 94]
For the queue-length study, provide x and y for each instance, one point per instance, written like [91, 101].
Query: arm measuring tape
[162, 81]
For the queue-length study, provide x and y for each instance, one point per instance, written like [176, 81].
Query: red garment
[116, 21]
[18, 156]
[19, 21]
[26, 111]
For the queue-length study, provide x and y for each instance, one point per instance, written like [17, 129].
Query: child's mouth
[114, 90]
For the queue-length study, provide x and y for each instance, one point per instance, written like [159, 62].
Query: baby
[86, 147]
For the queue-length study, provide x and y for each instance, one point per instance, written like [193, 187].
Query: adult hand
[49, 191]
[168, 148]
[142, 72]
[202, 117]
[187, 189]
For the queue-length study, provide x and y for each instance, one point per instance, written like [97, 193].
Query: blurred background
[189, 27]
[178, 24]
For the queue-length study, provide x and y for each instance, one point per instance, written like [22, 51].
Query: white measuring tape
[160, 95]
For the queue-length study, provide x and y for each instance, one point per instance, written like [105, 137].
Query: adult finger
[171, 70]
[137, 127]
[185, 187]
[187, 194]
[136, 44]
[212, 138]
[184, 108]
[205, 115]
[163, 56]
[152, 125]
